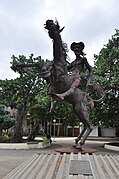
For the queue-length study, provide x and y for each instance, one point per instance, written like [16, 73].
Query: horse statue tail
[100, 90]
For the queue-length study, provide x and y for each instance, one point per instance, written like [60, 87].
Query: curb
[111, 147]
[22, 145]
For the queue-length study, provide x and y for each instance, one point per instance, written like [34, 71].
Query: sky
[22, 27]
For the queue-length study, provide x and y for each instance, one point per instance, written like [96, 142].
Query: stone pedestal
[69, 150]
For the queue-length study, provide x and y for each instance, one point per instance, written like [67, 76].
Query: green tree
[27, 86]
[106, 69]
[6, 121]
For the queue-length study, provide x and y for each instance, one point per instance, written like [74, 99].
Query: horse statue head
[53, 28]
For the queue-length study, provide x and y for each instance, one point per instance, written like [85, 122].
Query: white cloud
[22, 27]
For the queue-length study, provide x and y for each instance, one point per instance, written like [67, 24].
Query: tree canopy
[106, 69]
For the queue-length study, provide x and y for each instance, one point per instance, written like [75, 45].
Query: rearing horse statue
[61, 83]
[64, 86]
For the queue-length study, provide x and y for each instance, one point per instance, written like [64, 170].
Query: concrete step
[57, 166]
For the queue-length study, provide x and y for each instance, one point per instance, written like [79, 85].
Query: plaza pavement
[10, 159]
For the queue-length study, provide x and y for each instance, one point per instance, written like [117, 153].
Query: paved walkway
[10, 159]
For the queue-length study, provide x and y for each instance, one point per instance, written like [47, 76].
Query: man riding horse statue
[65, 86]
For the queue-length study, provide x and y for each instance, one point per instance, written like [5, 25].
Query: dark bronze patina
[66, 87]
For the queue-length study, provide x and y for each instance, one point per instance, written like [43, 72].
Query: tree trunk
[66, 129]
[72, 131]
[50, 128]
[117, 131]
[21, 114]
[33, 132]
[58, 130]
[36, 128]
[17, 138]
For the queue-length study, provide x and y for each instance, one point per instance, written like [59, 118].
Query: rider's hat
[81, 44]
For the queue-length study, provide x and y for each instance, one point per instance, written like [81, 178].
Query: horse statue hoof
[79, 147]
[74, 145]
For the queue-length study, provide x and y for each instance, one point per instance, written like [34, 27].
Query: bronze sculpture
[65, 86]
[61, 83]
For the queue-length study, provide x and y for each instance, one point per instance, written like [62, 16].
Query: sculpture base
[69, 150]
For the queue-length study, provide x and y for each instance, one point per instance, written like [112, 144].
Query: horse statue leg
[79, 136]
[83, 113]
[52, 104]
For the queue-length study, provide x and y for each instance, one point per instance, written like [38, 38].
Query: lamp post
[54, 120]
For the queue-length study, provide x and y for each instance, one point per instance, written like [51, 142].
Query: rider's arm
[71, 65]
[89, 77]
